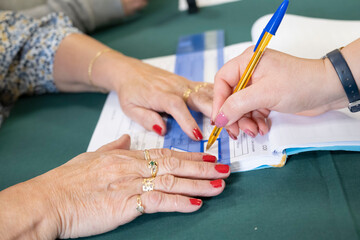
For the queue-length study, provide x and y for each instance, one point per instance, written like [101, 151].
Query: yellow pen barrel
[213, 136]
[244, 79]
[253, 62]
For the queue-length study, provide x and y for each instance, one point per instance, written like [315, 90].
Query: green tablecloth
[315, 196]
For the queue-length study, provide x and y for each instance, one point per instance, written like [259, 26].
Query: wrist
[27, 212]
[108, 72]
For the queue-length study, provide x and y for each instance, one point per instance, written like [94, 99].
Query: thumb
[122, 143]
[240, 103]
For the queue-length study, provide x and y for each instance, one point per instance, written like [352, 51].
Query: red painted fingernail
[157, 129]
[195, 201]
[216, 183]
[197, 134]
[222, 168]
[250, 133]
[209, 158]
[212, 123]
[233, 137]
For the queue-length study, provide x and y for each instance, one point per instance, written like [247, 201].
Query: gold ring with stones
[148, 184]
[140, 207]
[153, 166]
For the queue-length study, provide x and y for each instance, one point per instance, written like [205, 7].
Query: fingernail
[212, 123]
[221, 120]
[209, 158]
[250, 133]
[157, 129]
[222, 168]
[261, 132]
[197, 134]
[195, 201]
[231, 135]
[216, 183]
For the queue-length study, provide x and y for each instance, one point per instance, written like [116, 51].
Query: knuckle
[219, 76]
[165, 152]
[232, 103]
[171, 163]
[155, 198]
[203, 169]
[168, 182]
[108, 159]
[195, 185]
[176, 102]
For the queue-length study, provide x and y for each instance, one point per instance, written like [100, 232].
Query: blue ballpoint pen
[259, 49]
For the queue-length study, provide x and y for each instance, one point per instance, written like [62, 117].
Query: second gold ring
[152, 164]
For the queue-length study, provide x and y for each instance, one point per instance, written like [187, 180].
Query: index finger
[227, 78]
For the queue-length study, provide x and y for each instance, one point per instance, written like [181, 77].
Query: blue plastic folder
[190, 64]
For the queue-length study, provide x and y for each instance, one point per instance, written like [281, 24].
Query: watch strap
[346, 78]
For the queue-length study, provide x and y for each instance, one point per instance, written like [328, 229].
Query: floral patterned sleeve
[27, 50]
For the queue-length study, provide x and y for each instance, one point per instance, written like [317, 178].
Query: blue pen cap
[275, 21]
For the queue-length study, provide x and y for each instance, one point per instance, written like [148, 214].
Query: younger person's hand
[281, 83]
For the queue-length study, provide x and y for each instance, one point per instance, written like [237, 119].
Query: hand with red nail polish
[98, 191]
[146, 91]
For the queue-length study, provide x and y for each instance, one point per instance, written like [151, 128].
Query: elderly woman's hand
[98, 191]
[145, 91]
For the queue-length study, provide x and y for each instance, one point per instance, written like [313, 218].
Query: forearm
[72, 62]
[26, 213]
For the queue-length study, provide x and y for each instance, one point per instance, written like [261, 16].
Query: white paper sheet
[335, 128]
[308, 37]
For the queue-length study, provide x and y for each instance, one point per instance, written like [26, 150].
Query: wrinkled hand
[97, 191]
[280, 82]
[144, 91]
[132, 6]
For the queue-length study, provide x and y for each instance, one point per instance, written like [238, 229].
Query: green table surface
[315, 196]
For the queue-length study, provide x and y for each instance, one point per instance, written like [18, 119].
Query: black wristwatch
[346, 78]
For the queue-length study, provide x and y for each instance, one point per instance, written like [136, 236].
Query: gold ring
[188, 91]
[140, 207]
[147, 155]
[152, 165]
[197, 88]
[186, 94]
[148, 184]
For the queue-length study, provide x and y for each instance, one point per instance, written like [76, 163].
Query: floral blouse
[27, 50]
